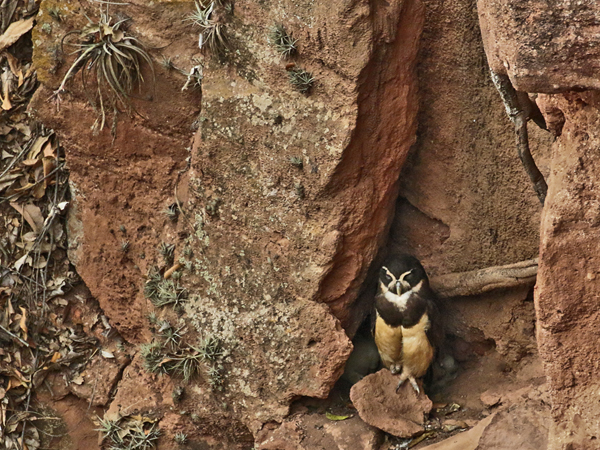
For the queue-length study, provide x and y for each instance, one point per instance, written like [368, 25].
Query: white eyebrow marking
[405, 274]
[389, 273]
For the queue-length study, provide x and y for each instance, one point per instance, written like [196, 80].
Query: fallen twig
[14, 336]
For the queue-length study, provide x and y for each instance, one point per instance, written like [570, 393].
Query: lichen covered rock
[276, 205]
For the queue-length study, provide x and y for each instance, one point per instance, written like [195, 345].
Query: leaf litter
[35, 274]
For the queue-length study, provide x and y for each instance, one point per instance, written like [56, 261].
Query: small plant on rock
[113, 59]
[301, 80]
[296, 161]
[167, 251]
[215, 377]
[55, 13]
[169, 335]
[212, 32]
[284, 43]
[167, 63]
[129, 433]
[163, 292]
[154, 357]
[110, 431]
[210, 348]
[181, 438]
[171, 211]
[187, 365]
[180, 359]
[178, 393]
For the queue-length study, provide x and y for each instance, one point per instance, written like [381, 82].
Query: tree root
[520, 109]
[481, 281]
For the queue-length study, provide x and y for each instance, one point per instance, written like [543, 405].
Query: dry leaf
[49, 165]
[5, 129]
[23, 321]
[9, 179]
[49, 150]
[37, 146]
[40, 264]
[23, 128]
[107, 354]
[39, 190]
[55, 357]
[32, 215]
[25, 185]
[22, 260]
[335, 417]
[78, 380]
[11, 176]
[15, 31]
[30, 236]
[30, 162]
[6, 82]
[15, 67]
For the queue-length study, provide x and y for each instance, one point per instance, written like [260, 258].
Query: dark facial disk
[406, 265]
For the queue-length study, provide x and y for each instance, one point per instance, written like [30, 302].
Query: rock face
[505, 320]
[553, 48]
[568, 283]
[465, 201]
[543, 46]
[284, 196]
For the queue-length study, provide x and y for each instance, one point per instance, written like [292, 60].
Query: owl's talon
[414, 384]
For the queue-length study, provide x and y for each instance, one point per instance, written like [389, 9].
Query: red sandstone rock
[523, 426]
[566, 295]
[466, 202]
[401, 414]
[275, 253]
[98, 380]
[315, 431]
[490, 398]
[543, 46]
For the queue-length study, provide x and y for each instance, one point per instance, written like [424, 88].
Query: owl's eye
[385, 276]
[408, 278]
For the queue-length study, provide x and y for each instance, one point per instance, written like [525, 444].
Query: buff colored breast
[389, 343]
[417, 352]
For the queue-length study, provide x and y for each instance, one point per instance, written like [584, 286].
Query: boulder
[399, 413]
